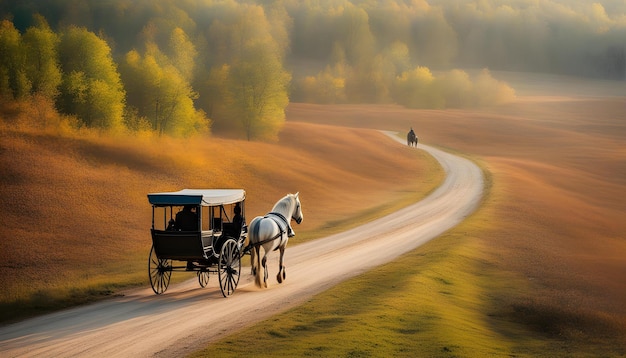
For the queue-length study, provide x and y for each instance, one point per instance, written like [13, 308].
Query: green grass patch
[447, 298]
[451, 297]
[433, 301]
[430, 302]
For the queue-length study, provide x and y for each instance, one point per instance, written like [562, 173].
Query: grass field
[537, 271]
[76, 219]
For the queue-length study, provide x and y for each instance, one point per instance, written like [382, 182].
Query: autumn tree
[42, 60]
[416, 89]
[182, 53]
[91, 88]
[13, 80]
[328, 86]
[256, 82]
[353, 32]
[159, 87]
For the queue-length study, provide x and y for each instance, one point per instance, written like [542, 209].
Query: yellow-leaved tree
[92, 89]
[255, 94]
[159, 87]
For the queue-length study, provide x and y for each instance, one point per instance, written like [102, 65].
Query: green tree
[158, 92]
[215, 96]
[141, 77]
[42, 60]
[92, 89]
[176, 112]
[257, 82]
[13, 80]
[182, 53]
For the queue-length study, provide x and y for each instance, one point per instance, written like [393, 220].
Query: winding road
[187, 318]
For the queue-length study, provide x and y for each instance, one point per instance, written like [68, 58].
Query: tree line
[167, 83]
[186, 67]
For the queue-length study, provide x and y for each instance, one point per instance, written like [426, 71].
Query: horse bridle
[298, 220]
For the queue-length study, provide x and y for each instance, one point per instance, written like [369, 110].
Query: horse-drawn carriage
[205, 231]
[197, 230]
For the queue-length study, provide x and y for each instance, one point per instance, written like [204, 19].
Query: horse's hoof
[279, 278]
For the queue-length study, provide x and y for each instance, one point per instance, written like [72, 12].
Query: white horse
[271, 232]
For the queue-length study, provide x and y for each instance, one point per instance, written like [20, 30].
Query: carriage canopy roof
[204, 197]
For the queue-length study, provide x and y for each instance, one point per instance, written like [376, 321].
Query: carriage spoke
[203, 278]
[229, 267]
[160, 272]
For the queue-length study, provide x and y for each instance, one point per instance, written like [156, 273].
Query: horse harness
[279, 219]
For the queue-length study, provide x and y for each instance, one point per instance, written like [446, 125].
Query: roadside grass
[432, 302]
[537, 271]
[452, 297]
[73, 287]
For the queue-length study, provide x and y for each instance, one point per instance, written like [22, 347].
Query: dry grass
[76, 219]
[554, 220]
[537, 271]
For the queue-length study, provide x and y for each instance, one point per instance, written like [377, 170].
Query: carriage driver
[237, 219]
[187, 219]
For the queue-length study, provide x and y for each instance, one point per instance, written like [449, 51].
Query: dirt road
[186, 317]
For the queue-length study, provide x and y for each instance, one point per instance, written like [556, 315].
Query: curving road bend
[186, 317]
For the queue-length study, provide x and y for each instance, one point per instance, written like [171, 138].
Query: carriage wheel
[160, 272]
[229, 267]
[203, 278]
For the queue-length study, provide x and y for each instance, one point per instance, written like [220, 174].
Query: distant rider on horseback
[411, 138]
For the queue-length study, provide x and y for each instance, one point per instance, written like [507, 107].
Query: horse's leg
[253, 266]
[282, 275]
[257, 267]
[265, 273]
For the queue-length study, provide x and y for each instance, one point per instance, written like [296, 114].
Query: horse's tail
[255, 257]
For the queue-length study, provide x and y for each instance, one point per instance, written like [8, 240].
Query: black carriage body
[213, 245]
[181, 245]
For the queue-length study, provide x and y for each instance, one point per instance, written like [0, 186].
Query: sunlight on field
[76, 220]
[536, 271]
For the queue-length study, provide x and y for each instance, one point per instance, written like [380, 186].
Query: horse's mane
[283, 205]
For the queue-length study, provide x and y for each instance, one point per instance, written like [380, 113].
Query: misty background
[195, 66]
